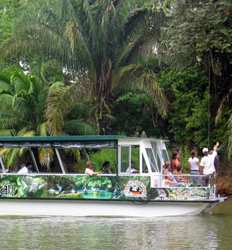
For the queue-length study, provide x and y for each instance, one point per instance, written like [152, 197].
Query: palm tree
[23, 105]
[99, 43]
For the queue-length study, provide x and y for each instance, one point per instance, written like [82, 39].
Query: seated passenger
[179, 177]
[23, 170]
[89, 170]
[29, 167]
[106, 168]
[169, 179]
[132, 169]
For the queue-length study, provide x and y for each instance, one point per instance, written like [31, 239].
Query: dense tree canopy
[113, 66]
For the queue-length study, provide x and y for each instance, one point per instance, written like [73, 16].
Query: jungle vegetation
[131, 67]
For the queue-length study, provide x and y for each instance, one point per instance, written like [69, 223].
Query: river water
[187, 232]
[195, 232]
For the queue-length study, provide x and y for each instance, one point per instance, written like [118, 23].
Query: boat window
[135, 157]
[151, 159]
[144, 166]
[17, 160]
[104, 160]
[60, 159]
[159, 151]
[157, 157]
[165, 155]
[130, 159]
[125, 154]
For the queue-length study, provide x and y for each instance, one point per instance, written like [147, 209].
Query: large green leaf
[4, 86]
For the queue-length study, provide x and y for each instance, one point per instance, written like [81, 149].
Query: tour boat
[55, 183]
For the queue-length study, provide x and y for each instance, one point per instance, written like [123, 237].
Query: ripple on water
[197, 232]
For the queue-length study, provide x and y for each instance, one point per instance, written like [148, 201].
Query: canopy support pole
[60, 161]
[34, 160]
[2, 165]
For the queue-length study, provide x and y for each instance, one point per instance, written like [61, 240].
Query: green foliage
[118, 66]
[199, 33]
[78, 121]
[127, 110]
[188, 94]
[94, 41]
[8, 10]
[22, 100]
[103, 155]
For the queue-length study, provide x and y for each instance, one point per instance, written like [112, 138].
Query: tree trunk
[103, 93]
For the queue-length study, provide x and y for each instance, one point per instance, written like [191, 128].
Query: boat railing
[51, 174]
[182, 180]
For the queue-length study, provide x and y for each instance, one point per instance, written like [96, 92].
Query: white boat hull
[100, 208]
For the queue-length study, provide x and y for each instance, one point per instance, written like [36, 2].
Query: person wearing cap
[206, 166]
[213, 154]
[207, 161]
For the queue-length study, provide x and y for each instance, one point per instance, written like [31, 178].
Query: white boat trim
[83, 208]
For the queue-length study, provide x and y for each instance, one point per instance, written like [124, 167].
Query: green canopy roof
[66, 138]
[92, 141]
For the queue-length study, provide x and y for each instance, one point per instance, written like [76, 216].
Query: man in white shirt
[207, 161]
[213, 154]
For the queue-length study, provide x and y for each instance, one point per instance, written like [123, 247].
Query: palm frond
[46, 156]
[12, 155]
[60, 101]
[138, 76]
[26, 133]
[135, 17]
[151, 86]
[78, 127]
[124, 73]
[129, 48]
[42, 128]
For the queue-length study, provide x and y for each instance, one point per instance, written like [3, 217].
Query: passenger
[169, 179]
[213, 154]
[106, 168]
[89, 170]
[175, 162]
[180, 178]
[29, 167]
[132, 169]
[194, 167]
[23, 170]
[207, 162]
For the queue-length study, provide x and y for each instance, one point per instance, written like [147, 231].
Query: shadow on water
[190, 232]
[224, 208]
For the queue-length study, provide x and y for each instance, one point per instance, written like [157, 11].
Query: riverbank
[224, 179]
[224, 185]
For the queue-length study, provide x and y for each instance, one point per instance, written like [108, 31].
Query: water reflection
[200, 232]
